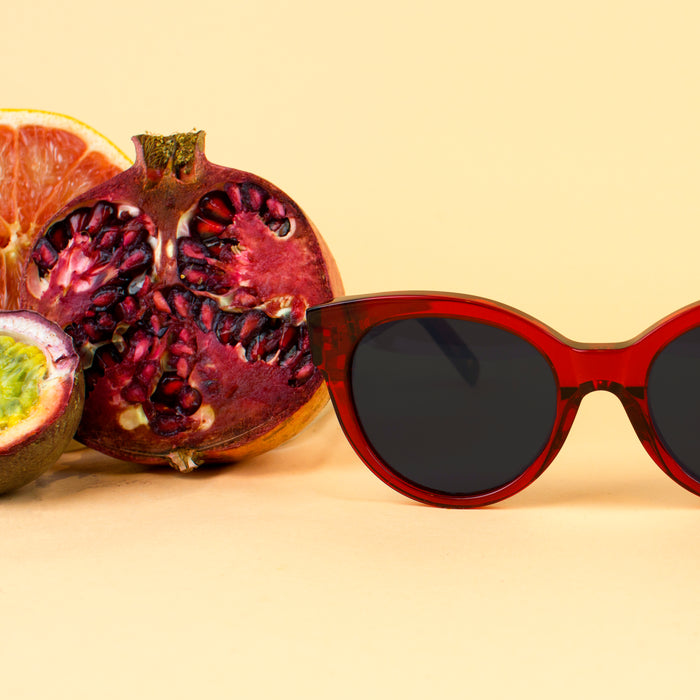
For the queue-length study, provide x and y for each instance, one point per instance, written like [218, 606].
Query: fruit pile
[181, 285]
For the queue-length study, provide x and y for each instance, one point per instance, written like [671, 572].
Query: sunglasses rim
[338, 326]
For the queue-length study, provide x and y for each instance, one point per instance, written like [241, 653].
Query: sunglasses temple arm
[453, 347]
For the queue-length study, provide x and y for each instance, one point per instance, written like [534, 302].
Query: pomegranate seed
[137, 260]
[193, 249]
[228, 250]
[264, 346]
[244, 297]
[141, 348]
[107, 238]
[128, 309]
[180, 349]
[160, 303]
[217, 207]
[189, 400]
[214, 247]
[168, 387]
[271, 344]
[186, 335]
[226, 328]
[289, 336]
[218, 283]
[183, 367]
[305, 371]
[155, 323]
[106, 321]
[253, 351]
[196, 276]
[205, 227]
[139, 343]
[44, 255]
[208, 279]
[234, 193]
[275, 208]
[182, 300]
[135, 393]
[106, 296]
[134, 233]
[58, 236]
[206, 318]
[148, 370]
[77, 221]
[290, 358]
[252, 197]
[93, 333]
[251, 323]
[140, 285]
[100, 213]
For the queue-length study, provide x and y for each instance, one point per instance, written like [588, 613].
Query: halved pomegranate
[41, 396]
[184, 286]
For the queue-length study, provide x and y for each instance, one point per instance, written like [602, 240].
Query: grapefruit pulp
[46, 159]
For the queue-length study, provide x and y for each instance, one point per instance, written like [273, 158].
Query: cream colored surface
[546, 154]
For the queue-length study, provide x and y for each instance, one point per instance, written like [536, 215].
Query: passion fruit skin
[38, 452]
[36, 443]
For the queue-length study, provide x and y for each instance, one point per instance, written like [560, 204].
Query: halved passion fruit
[41, 396]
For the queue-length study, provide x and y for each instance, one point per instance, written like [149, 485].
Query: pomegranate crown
[176, 154]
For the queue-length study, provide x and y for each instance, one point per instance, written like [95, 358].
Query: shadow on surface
[649, 488]
[613, 486]
[81, 469]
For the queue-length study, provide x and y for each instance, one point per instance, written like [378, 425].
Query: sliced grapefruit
[46, 159]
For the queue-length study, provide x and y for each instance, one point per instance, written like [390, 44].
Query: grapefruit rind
[16, 118]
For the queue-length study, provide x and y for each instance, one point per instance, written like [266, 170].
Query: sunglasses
[459, 401]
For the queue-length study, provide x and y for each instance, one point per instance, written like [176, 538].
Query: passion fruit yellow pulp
[41, 396]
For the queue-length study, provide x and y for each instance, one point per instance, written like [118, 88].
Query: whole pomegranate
[184, 286]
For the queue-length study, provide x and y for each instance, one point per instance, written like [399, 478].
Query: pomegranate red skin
[243, 398]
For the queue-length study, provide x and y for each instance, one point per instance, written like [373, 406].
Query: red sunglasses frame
[335, 329]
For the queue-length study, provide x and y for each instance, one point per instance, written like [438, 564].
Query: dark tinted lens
[452, 405]
[674, 399]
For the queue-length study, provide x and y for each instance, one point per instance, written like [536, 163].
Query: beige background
[546, 154]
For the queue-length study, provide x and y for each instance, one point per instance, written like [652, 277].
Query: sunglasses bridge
[604, 367]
